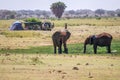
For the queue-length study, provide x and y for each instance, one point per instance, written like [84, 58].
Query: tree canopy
[58, 8]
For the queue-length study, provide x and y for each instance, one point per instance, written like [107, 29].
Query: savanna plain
[28, 55]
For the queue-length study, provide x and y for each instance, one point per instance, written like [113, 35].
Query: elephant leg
[84, 48]
[60, 47]
[54, 45]
[65, 48]
[95, 49]
[109, 49]
[54, 49]
[59, 50]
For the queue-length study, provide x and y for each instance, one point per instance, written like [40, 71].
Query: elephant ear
[92, 38]
[68, 34]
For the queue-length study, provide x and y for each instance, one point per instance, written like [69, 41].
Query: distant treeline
[84, 13]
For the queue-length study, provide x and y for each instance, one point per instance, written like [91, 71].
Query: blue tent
[16, 26]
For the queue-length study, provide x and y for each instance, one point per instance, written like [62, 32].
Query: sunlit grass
[115, 21]
[21, 34]
[5, 24]
[89, 22]
[73, 49]
[59, 67]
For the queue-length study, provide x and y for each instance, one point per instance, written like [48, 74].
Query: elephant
[102, 40]
[59, 38]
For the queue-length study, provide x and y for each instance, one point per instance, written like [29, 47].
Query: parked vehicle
[38, 26]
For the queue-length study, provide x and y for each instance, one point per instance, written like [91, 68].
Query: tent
[16, 26]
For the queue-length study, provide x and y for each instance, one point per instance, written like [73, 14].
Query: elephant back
[104, 35]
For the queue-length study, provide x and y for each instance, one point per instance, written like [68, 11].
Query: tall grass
[5, 24]
[88, 21]
[115, 21]
[21, 34]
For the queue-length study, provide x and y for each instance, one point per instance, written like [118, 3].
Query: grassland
[25, 39]
[28, 55]
[73, 49]
[59, 67]
[89, 21]
[115, 21]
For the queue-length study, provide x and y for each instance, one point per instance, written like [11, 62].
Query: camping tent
[16, 26]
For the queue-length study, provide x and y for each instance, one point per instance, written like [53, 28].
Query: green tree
[32, 20]
[118, 14]
[100, 12]
[58, 8]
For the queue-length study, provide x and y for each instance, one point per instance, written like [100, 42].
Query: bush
[98, 18]
[32, 20]
[35, 60]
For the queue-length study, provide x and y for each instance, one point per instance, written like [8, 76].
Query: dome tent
[16, 26]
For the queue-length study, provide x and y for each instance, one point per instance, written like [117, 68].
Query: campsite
[32, 24]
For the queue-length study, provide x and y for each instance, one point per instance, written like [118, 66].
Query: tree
[7, 14]
[111, 13]
[58, 8]
[100, 11]
[71, 12]
[118, 12]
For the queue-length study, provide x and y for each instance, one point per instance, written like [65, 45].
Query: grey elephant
[102, 40]
[59, 38]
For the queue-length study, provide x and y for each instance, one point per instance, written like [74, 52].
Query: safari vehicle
[38, 26]
[33, 25]
[47, 26]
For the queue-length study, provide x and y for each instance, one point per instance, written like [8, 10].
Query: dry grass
[24, 39]
[5, 24]
[59, 67]
[89, 21]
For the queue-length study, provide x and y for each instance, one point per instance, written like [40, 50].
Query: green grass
[73, 49]
[88, 21]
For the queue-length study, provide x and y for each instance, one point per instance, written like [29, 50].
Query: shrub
[98, 18]
[35, 60]
[32, 20]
